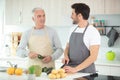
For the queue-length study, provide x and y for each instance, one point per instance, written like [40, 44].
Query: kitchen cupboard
[13, 12]
[112, 6]
[96, 6]
[57, 12]
[102, 69]
[114, 70]
[22, 14]
[108, 70]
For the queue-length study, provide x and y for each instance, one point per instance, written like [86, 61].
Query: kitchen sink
[3, 69]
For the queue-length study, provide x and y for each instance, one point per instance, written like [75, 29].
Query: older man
[41, 40]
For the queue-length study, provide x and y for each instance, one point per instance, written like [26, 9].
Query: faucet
[10, 63]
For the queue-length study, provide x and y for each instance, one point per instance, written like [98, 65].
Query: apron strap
[75, 29]
[85, 29]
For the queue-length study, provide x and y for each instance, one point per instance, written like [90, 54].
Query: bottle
[7, 50]
[92, 20]
[96, 23]
[103, 22]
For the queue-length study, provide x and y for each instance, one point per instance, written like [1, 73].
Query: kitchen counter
[5, 76]
[103, 66]
[98, 62]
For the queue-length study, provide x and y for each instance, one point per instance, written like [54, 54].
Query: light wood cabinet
[13, 12]
[114, 71]
[57, 12]
[103, 70]
[21, 11]
[112, 6]
[109, 70]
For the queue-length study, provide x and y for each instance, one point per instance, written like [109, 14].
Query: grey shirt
[22, 50]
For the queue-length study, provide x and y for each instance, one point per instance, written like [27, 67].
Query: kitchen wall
[2, 3]
[110, 20]
[63, 32]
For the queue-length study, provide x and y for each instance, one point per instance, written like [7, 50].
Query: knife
[64, 64]
[94, 75]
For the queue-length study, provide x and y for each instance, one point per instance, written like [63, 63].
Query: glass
[31, 77]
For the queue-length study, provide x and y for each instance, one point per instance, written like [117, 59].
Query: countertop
[99, 61]
[5, 76]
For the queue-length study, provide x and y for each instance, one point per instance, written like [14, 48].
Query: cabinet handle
[20, 17]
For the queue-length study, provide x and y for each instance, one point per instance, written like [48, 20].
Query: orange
[11, 70]
[18, 71]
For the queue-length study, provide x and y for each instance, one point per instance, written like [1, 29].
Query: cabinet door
[112, 6]
[98, 7]
[115, 71]
[52, 10]
[13, 12]
[27, 6]
[103, 70]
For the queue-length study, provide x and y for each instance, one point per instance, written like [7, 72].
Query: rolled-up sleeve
[21, 50]
[58, 51]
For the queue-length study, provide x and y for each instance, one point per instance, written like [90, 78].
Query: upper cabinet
[13, 12]
[112, 6]
[96, 6]
[19, 12]
[58, 12]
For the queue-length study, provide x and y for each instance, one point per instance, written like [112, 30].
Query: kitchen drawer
[103, 70]
[115, 71]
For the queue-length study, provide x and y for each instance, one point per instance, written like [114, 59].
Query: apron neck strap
[75, 28]
[86, 28]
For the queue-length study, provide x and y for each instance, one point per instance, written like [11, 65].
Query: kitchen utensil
[64, 64]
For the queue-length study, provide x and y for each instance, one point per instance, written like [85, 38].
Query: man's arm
[57, 47]
[21, 50]
[66, 58]
[91, 59]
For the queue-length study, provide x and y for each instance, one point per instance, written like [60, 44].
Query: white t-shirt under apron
[91, 36]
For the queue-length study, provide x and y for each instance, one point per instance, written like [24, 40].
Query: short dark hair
[81, 8]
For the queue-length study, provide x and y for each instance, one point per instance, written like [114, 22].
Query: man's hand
[47, 59]
[65, 60]
[32, 55]
[69, 69]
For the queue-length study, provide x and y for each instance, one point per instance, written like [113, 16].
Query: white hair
[36, 8]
